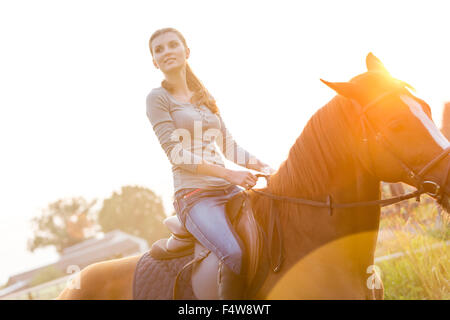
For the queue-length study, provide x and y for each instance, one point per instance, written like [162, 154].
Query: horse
[445, 128]
[375, 129]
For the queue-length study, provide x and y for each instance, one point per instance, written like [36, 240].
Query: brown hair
[201, 95]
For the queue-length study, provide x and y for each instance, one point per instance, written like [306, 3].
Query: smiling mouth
[169, 60]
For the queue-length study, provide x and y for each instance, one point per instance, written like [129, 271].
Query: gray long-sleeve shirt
[188, 134]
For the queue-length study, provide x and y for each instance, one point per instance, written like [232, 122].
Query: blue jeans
[203, 214]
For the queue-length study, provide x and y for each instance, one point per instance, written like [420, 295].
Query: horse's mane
[325, 142]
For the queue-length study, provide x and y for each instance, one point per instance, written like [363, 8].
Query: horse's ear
[374, 64]
[346, 89]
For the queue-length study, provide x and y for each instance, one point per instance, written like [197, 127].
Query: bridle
[429, 187]
[380, 138]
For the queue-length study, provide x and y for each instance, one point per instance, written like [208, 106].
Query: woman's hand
[267, 170]
[260, 166]
[242, 178]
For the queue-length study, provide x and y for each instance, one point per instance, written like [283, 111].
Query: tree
[137, 211]
[62, 224]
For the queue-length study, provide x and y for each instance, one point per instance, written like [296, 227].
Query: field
[413, 252]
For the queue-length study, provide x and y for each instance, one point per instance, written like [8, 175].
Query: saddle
[180, 243]
[204, 274]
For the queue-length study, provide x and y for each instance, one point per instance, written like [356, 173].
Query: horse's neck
[320, 248]
[325, 161]
[313, 227]
[347, 237]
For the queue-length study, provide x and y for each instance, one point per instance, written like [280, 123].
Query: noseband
[429, 187]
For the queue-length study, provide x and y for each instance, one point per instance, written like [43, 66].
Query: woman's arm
[231, 149]
[260, 166]
[243, 178]
[164, 127]
[234, 152]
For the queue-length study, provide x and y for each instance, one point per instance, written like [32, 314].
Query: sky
[74, 77]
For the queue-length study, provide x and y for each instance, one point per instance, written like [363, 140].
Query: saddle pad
[154, 279]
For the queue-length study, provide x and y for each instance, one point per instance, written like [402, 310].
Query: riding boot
[231, 285]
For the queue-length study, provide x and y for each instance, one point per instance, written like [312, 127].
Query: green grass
[423, 272]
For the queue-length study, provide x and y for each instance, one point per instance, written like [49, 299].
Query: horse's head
[398, 139]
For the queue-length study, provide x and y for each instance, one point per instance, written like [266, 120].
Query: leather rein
[429, 187]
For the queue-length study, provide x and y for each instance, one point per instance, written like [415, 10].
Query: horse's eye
[395, 125]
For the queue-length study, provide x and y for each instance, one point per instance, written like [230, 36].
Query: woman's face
[169, 52]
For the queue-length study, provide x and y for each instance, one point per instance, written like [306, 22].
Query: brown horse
[328, 256]
[446, 120]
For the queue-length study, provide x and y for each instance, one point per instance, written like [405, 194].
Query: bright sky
[74, 77]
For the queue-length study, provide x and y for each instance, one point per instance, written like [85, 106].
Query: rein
[330, 205]
[274, 218]
[423, 186]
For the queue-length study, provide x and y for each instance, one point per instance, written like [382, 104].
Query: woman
[187, 122]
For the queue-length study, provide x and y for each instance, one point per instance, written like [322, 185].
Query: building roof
[113, 244]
